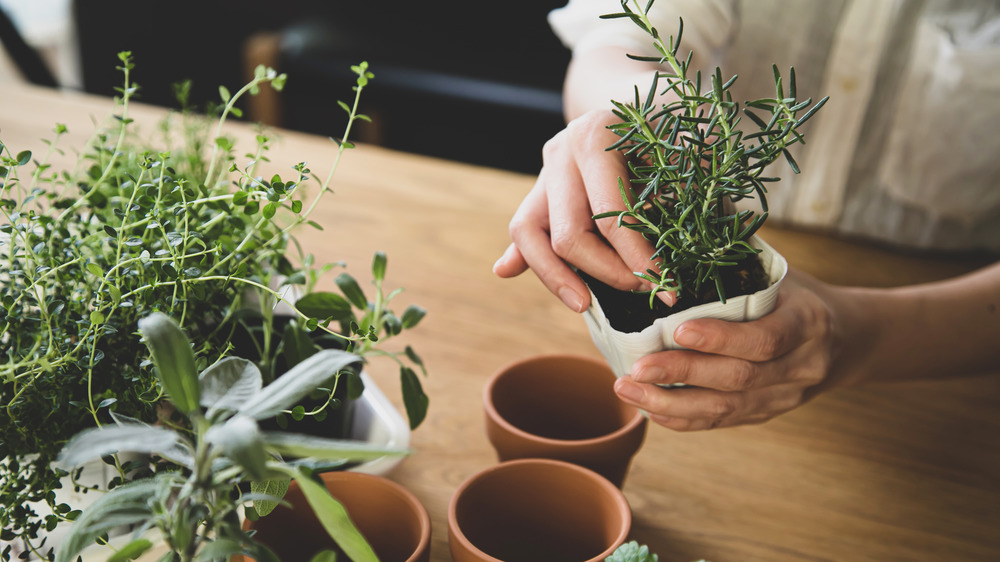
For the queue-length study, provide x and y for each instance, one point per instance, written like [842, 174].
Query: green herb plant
[632, 551]
[690, 163]
[194, 507]
[171, 224]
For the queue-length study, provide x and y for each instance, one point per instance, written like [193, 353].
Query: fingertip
[689, 336]
[511, 263]
[668, 297]
[628, 390]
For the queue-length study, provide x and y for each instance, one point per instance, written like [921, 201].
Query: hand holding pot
[554, 227]
[742, 372]
[819, 337]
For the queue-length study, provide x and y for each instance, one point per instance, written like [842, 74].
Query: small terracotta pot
[537, 510]
[562, 407]
[391, 518]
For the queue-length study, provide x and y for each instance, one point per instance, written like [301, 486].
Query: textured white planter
[622, 349]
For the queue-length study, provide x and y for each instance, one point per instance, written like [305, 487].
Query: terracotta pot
[622, 349]
[562, 407]
[391, 518]
[537, 510]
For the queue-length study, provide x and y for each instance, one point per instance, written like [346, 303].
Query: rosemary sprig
[690, 161]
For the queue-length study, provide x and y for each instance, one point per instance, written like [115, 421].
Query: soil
[629, 311]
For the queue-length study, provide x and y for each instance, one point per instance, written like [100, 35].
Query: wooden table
[887, 472]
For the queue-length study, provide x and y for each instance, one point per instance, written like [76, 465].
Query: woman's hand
[743, 372]
[553, 227]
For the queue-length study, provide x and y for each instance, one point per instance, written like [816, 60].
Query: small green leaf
[378, 266]
[324, 305]
[275, 487]
[97, 317]
[23, 157]
[325, 556]
[413, 315]
[224, 94]
[270, 209]
[349, 286]
[95, 269]
[414, 399]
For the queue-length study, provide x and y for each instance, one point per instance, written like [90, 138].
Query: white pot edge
[622, 349]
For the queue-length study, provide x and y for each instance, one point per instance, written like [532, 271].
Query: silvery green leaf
[334, 518]
[270, 491]
[125, 505]
[320, 448]
[173, 358]
[219, 549]
[229, 383]
[288, 389]
[100, 441]
[240, 438]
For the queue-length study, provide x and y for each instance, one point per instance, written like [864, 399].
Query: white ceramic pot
[622, 349]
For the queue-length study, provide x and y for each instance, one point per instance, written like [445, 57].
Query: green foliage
[632, 552]
[690, 162]
[175, 226]
[218, 448]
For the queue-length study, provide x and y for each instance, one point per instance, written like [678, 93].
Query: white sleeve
[708, 25]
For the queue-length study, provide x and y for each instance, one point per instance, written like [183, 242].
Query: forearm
[600, 75]
[937, 330]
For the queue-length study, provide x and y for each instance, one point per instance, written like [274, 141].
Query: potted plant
[218, 446]
[169, 223]
[689, 164]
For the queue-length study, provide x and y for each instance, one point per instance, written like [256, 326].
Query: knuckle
[564, 244]
[745, 375]
[721, 408]
[770, 345]
[553, 146]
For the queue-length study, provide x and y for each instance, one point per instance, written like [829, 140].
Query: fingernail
[571, 299]
[651, 373]
[688, 337]
[628, 390]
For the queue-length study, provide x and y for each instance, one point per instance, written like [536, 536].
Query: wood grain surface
[886, 472]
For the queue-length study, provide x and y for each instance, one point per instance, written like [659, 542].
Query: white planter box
[622, 349]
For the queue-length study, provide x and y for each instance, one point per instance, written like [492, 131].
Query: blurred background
[476, 82]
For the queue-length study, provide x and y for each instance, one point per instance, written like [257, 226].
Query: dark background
[477, 82]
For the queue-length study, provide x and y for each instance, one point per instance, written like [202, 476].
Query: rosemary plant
[690, 162]
[175, 227]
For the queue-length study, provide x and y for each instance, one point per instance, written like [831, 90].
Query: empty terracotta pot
[391, 518]
[531, 510]
[563, 407]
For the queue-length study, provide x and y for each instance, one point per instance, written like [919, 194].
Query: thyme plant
[690, 162]
[174, 225]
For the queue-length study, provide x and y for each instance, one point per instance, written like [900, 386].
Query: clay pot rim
[634, 423]
[620, 501]
[423, 516]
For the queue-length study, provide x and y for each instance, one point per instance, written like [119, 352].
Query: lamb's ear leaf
[322, 448]
[240, 438]
[125, 505]
[334, 518]
[228, 383]
[174, 360]
[300, 380]
[101, 441]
